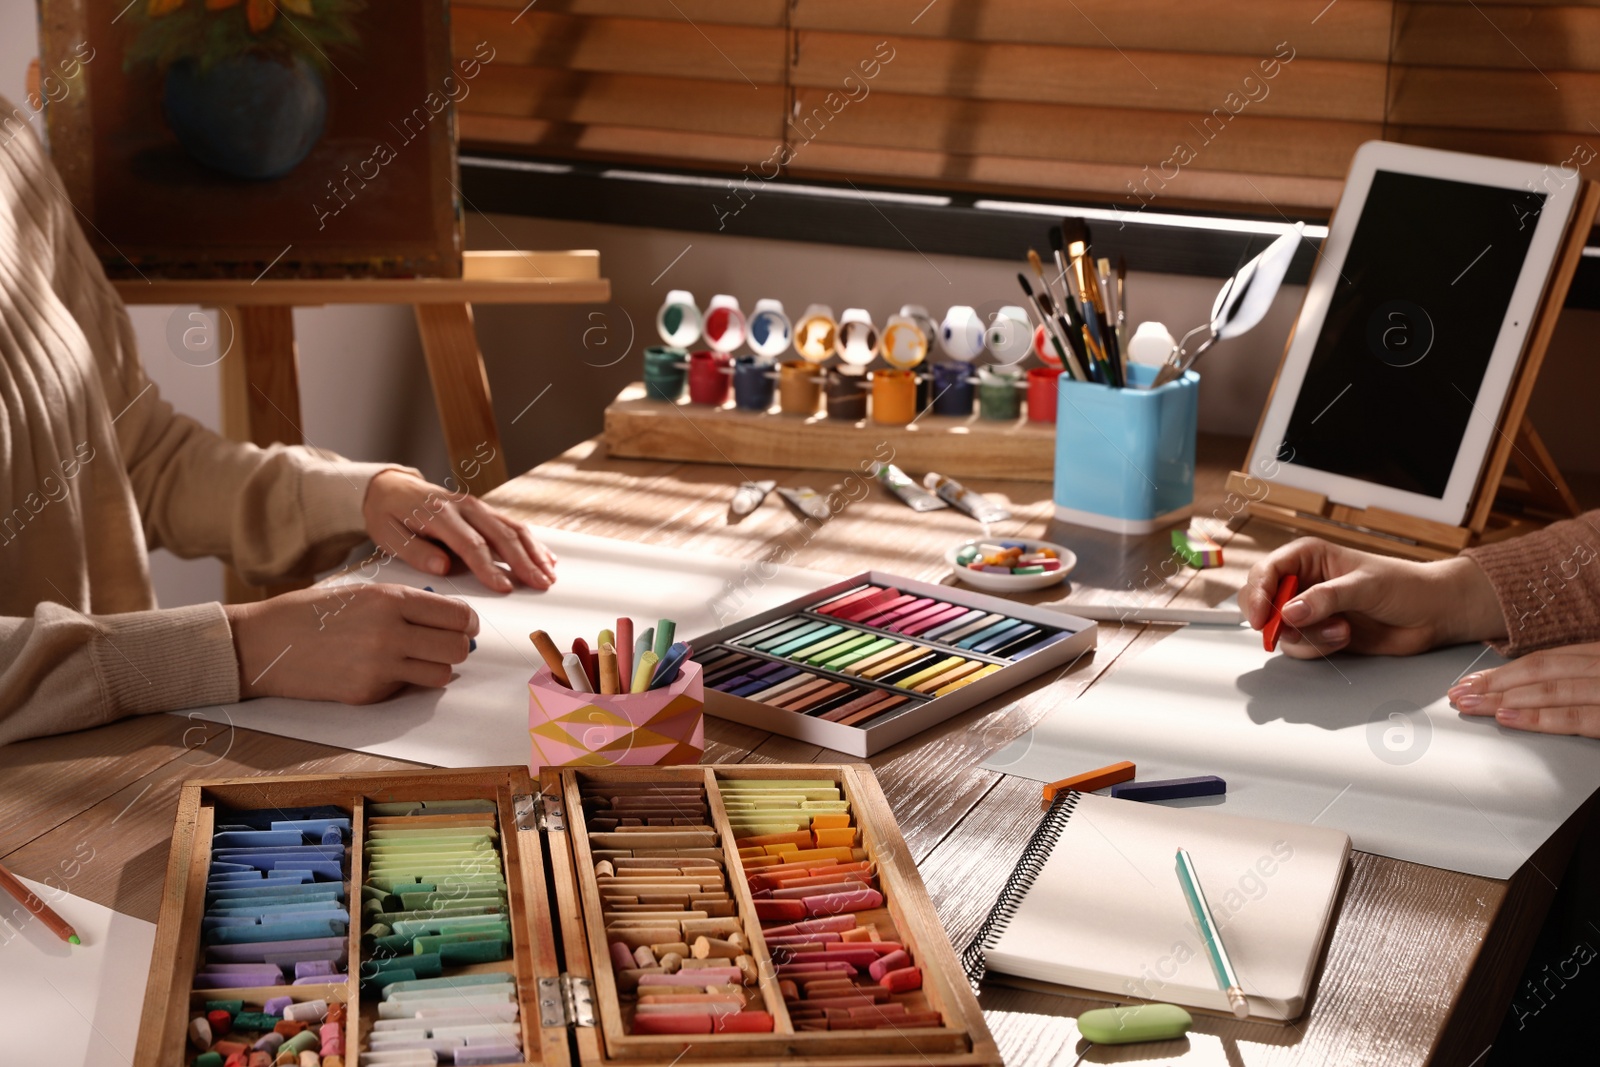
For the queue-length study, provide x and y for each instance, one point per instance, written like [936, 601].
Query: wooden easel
[261, 377]
[1503, 504]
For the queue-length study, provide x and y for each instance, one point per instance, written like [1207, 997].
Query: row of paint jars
[898, 393]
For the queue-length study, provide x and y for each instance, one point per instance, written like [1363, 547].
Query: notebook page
[1107, 914]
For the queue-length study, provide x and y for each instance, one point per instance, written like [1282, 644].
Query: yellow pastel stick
[645, 670]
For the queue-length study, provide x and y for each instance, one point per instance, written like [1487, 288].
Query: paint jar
[846, 398]
[724, 328]
[952, 389]
[708, 378]
[752, 383]
[799, 392]
[663, 372]
[678, 321]
[771, 333]
[1042, 393]
[999, 399]
[894, 397]
[799, 387]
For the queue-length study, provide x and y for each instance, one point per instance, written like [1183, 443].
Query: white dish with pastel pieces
[1001, 582]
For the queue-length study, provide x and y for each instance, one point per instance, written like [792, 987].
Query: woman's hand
[410, 518]
[1361, 602]
[1552, 692]
[354, 643]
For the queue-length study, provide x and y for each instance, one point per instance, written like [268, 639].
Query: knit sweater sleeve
[1548, 584]
[272, 513]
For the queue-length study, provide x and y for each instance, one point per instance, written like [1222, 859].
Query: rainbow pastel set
[598, 915]
[873, 659]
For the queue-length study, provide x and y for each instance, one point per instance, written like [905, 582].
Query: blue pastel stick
[286, 895]
[1037, 646]
[1021, 632]
[1205, 785]
[298, 930]
[256, 839]
[987, 632]
[756, 685]
[667, 670]
[234, 867]
[801, 641]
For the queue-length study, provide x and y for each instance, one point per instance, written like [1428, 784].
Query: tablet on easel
[1402, 392]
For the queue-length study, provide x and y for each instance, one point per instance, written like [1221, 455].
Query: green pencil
[1226, 978]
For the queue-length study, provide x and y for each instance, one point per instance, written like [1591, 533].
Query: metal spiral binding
[1034, 855]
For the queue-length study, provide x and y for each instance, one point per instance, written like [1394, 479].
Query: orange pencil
[41, 911]
[1089, 781]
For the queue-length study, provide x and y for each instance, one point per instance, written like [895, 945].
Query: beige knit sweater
[96, 469]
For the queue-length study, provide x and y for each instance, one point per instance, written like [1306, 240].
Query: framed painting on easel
[248, 138]
[1401, 400]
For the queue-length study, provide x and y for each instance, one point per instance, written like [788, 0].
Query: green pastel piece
[208, 1059]
[232, 1007]
[1136, 1022]
[253, 1020]
[422, 965]
[299, 1043]
[394, 944]
[433, 942]
[454, 984]
[1035, 569]
[465, 952]
[395, 918]
[967, 555]
[383, 979]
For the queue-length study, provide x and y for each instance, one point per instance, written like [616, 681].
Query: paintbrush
[1066, 360]
[1075, 238]
[1122, 307]
[1071, 310]
[1060, 336]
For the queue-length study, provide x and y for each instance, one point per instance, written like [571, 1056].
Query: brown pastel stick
[717, 948]
[664, 947]
[643, 957]
[693, 928]
[819, 698]
[875, 710]
[633, 937]
[686, 861]
[628, 980]
[551, 656]
[671, 962]
[747, 968]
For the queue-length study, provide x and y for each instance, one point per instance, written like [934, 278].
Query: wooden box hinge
[566, 1001]
[539, 812]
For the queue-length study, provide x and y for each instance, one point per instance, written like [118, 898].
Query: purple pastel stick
[312, 968]
[270, 951]
[276, 1005]
[320, 979]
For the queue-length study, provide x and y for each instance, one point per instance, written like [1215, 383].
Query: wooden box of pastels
[871, 660]
[646, 915]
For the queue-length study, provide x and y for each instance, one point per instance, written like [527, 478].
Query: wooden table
[1422, 962]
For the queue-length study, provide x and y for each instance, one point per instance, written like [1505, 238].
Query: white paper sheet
[1365, 744]
[481, 717]
[62, 1003]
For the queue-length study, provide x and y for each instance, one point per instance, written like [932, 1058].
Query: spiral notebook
[1094, 904]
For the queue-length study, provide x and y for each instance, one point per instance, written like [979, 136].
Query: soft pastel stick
[969, 628]
[868, 605]
[1089, 781]
[1288, 586]
[575, 671]
[1007, 636]
[926, 622]
[1205, 785]
[854, 597]
[643, 672]
[624, 644]
[987, 632]
[590, 661]
[551, 655]
[665, 630]
[608, 667]
[784, 646]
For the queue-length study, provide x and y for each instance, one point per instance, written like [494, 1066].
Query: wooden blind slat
[1495, 99]
[1350, 29]
[630, 46]
[1246, 142]
[630, 100]
[1498, 36]
[623, 143]
[1009, 176]
[1168, 81]
[701, 12]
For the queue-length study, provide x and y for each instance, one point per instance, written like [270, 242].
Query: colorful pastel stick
[625, 648]
[665, 629]
[1287, 588]
[644, 672]
[1205, 785]
[574, 671]
[1089, 781]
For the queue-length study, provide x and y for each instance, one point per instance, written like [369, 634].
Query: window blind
[1218, 104]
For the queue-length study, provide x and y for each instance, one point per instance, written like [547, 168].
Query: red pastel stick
[1287, 588]
[868, 605]
[624, 634]
[590, 661]
[833, 607]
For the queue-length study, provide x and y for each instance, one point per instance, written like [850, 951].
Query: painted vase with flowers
[243, 86]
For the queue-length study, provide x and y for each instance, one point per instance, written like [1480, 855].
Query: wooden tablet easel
[1503, 504]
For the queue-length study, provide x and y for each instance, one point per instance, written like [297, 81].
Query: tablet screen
[1412, 321]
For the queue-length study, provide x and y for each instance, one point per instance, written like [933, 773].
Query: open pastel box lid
[569, 1007]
